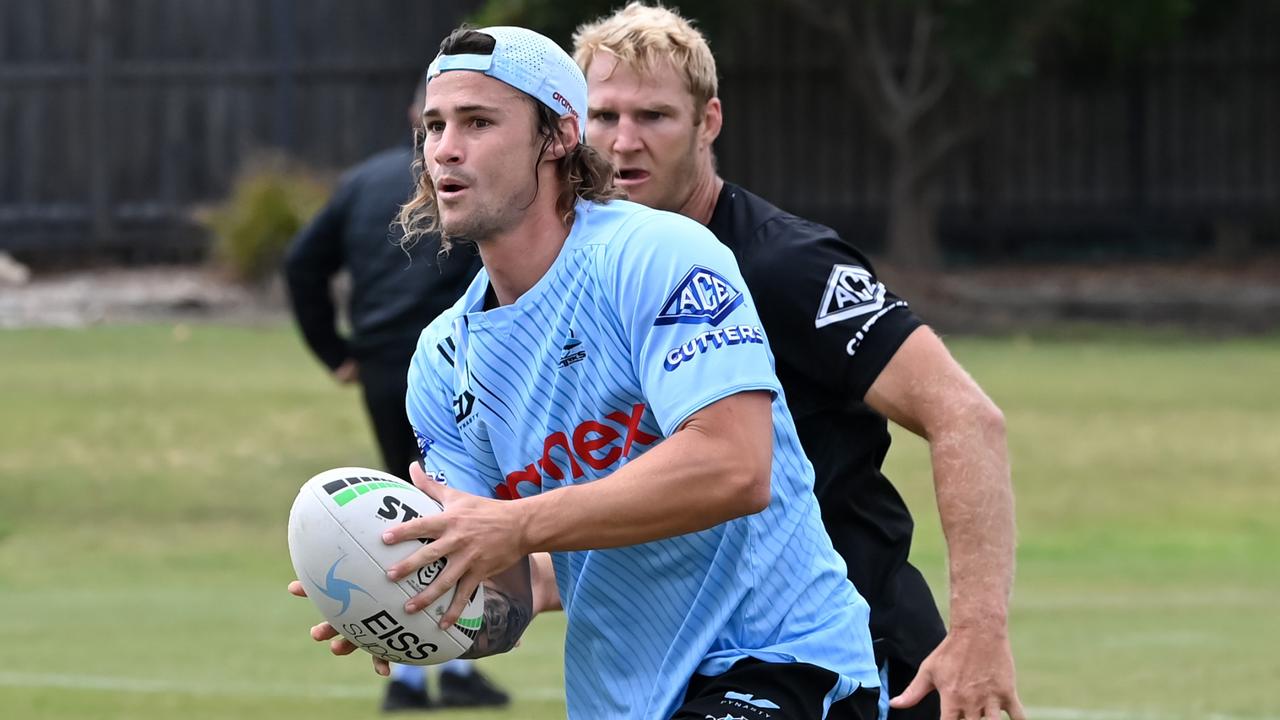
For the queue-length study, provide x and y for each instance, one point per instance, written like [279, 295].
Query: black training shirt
[394, 293]
[833, 326]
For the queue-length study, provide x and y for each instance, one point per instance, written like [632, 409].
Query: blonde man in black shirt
[849, 354]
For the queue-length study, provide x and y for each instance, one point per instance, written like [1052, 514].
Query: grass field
[146, 474]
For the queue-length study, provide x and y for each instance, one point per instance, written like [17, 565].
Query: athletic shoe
[470, 690]
[401, 697]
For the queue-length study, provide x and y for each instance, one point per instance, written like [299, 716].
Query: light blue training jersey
[642, 320]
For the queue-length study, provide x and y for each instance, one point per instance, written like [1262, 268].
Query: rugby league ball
[335, 541]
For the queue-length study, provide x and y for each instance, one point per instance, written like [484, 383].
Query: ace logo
[702, 296]
[851, 291]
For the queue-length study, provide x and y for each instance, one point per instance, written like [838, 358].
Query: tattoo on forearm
[505, 618]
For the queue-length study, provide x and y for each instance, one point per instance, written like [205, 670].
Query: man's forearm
[508, 609]
[975, 504]
[714, 469]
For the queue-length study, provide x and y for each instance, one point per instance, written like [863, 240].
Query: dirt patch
[1217, 299]
[134, 295]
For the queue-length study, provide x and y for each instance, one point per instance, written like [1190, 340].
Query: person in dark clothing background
[394, 294]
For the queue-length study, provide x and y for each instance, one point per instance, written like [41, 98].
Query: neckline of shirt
[502, 317]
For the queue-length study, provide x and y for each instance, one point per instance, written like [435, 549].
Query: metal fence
[117, 116]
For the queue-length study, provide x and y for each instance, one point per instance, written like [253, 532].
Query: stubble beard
[476, 227]
[680, 183]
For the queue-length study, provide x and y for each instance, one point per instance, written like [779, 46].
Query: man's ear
[712, 118]
[566, 137]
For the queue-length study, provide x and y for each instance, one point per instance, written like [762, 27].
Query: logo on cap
[565, 102]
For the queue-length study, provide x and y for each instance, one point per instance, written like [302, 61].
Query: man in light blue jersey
[603, 392]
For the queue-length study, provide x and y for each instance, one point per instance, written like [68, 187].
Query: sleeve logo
[703, 296]
[424, 442]
[851, 291]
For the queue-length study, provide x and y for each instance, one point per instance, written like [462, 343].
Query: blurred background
[1083, 194]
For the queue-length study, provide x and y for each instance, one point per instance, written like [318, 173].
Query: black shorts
[756, 690]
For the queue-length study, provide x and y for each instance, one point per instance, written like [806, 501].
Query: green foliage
[1097, 41]
[269, 203]
[997, 42]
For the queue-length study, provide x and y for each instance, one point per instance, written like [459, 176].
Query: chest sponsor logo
[703, 296]
[711, 340]
[598, 444]
[851, 291]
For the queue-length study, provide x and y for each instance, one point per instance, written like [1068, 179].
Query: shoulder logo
[702, 296]
[572, 352]
[851, 291]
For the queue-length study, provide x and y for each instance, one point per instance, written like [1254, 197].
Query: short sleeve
[429, 404]
[831, 317]
[692, 326]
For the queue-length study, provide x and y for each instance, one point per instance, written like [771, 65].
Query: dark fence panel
[1162, 162]
[117, 116]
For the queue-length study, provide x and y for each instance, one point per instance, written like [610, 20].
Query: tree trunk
[912, 237]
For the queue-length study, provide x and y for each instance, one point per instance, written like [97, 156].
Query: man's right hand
[348, 372]
[338, 645]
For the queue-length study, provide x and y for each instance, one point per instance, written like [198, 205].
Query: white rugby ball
[335, 540]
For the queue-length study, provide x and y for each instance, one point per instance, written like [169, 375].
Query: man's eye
[651, 115]
[608, 117]
[435, 126]
[481, 123]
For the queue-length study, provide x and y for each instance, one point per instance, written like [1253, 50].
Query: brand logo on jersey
[712, 340]
[751, 707]
[463, 404]
[752, 700]
[593, 442]
[434, 475]
[703, 296]
[851, 291]
[424, 442]
[572, 352]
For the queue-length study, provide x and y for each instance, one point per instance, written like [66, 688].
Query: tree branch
[921, 31]
[942, 145]
[880, 61]
[926, 99]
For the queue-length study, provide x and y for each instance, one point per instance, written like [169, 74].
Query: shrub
[269, 202]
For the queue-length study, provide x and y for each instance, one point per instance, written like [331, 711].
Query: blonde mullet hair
[642, 36]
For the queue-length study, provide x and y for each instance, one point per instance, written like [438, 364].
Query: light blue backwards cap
[530, 63]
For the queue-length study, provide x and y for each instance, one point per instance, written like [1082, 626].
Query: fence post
[99, 149]
[286, 56]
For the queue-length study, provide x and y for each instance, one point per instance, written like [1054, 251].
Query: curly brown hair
[580, 173]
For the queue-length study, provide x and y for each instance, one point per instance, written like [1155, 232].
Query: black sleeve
[826, 313]
[313, 258]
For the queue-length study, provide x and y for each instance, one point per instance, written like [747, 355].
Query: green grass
[146, 474]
